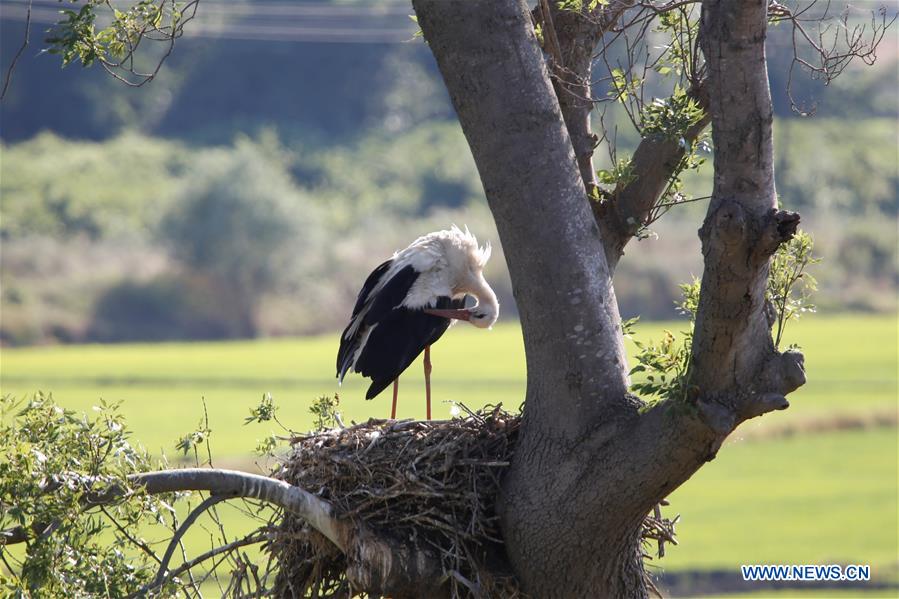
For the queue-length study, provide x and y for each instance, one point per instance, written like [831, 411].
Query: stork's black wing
[391, 295]
[369, 284]
[400, 336]
[373, 309]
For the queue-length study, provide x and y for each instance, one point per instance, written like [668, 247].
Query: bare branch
[223, 484]
[230, 484]
[834, 45]
[133, 540]
[15, 59]
[549, 31]
[176, 538]
[375, 561]
[574, 35]
[188, 566]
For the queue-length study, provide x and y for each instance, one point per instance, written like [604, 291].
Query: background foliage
[305, 162]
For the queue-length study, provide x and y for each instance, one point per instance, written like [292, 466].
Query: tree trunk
[590, 463]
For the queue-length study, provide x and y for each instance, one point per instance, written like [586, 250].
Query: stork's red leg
[396, 388]
[427, 363]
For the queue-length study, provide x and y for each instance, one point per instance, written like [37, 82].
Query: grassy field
[851, 363]
[823, 498]
[810, 498]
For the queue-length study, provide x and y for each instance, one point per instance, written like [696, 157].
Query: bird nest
[434, 483]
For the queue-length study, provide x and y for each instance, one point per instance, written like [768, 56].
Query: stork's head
[484, 315]
[466, 261]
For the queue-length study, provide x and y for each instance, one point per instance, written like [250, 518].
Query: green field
[851, 363]
[810, 498]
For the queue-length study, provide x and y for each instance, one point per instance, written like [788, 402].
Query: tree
[592, 459]
[589, 456]
[241, 223]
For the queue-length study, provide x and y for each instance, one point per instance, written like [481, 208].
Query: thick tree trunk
[590, 465]
[500, 87]
[743, 228]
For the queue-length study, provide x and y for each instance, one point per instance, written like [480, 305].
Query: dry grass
[815, 425]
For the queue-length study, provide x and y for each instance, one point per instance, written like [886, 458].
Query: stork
[409, 301]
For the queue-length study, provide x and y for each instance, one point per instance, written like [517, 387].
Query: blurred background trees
[286, 148]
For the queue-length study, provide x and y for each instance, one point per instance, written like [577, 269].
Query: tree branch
[655, 161]
[187, 566]
[498, 81]
[376, 562]
[176, 538]
[574, 35]
[319, 513]
[15, 59]
[222, 484]
[736, 367]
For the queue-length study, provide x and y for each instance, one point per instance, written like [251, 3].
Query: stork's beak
[458, 314]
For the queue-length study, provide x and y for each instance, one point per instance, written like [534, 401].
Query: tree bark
[590, 464]
[733, 353]
[498, 82]
[577, 33]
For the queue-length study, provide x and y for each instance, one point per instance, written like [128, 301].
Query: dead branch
[223, 484]
[15, 59]
[825, 44]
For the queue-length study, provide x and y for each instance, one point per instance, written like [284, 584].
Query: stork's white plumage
[409, 301]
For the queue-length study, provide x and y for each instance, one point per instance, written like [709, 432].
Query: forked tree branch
[654, 162]
[576, 33]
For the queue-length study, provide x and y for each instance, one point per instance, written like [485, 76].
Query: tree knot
[780, 226]
[786, 222]
[763, 403]
[783, 373]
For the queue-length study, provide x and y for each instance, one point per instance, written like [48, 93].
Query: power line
[277, 9]
[295, 22]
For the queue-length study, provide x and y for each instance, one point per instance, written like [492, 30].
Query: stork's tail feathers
[376, 387]
[345, 355]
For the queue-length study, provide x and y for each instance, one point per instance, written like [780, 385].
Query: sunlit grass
[824, 498]
[851, 362]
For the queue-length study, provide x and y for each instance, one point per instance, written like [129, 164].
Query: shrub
[169, 307]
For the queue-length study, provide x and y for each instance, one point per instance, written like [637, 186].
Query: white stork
[409, 301]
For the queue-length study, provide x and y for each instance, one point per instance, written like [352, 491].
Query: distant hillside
[321, 71]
